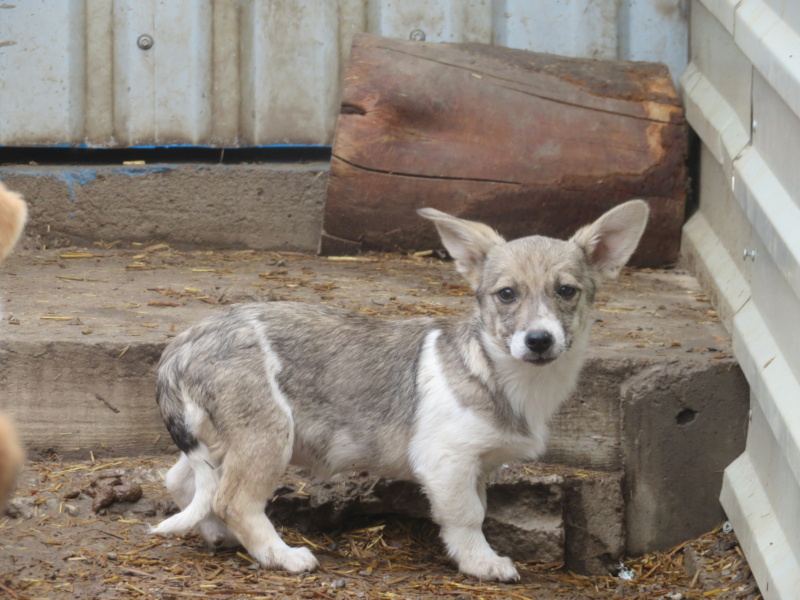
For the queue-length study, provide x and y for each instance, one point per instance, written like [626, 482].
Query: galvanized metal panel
[100, 73]
[752, 61]
[724, 11]
[758, 530]
[262, 72]
[289, 72]
[41, 72]
[776, 136]
[438, 21]
[655, 31]
[717, 87]
[183, 77]
[718, 248]
[225, 74]
[134, 74]
[771, 40]
[584, 28]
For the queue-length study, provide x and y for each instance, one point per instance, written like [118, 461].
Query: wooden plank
[530, 143]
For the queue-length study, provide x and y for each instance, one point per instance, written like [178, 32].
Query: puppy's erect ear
[13, 213]
[610, 241]
[467, 242]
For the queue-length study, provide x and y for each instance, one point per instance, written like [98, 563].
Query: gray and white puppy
[440, 401]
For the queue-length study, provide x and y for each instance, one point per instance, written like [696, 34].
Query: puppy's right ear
[13, 213]
[467, 242]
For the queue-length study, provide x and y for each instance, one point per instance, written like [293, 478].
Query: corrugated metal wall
[230, 73]
[742, 96]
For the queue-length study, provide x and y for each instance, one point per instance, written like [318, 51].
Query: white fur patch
[447, 453]
[443, 425]
[206, 481]
[273, 366]
[543, 322]
[535, 392]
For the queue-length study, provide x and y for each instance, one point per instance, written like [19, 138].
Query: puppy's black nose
[539, 341]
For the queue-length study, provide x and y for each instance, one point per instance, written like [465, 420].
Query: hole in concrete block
[686, 416]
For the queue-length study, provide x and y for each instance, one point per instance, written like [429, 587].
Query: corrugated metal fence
[742, 96]
[231, 73]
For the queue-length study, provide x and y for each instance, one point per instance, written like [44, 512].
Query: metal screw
[417, 35]
[727, 527]
[145, 42]
[751, 254]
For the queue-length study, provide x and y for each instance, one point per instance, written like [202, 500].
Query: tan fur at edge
[11, 457]
[13, 213]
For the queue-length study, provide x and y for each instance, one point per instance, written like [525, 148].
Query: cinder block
[684, 422]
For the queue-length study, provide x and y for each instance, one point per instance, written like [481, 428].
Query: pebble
[111, 556]
[338, 584]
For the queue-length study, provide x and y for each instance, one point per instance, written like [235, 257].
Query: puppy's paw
[294, 560]
[216, 534]
[490, 568]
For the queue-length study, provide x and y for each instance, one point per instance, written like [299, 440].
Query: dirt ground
[55, 546]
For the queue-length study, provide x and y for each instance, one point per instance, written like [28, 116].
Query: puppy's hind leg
[180, 482]
[251, 469]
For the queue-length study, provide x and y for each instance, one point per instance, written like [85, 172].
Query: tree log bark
[528, 143]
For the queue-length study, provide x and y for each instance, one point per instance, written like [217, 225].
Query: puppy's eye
[567, 291]
[506, 295]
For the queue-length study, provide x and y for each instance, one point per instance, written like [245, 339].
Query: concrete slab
[259, 206]
[90, 323]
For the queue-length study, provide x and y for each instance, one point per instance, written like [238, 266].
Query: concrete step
[263, 206]
[535, 512]
[661, 403]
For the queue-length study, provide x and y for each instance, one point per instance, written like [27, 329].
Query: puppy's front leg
[459, 508]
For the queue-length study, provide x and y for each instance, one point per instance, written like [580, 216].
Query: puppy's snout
[539, 341]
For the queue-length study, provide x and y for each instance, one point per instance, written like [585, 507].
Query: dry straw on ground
[55, 546]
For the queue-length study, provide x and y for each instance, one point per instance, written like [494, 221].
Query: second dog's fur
[13, 213]
[440, 401]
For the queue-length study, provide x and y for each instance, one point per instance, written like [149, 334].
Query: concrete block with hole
[683, 423]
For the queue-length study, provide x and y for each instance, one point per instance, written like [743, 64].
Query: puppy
[13, 213]
[440, 401]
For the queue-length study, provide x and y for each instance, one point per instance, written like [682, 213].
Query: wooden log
[529, 143]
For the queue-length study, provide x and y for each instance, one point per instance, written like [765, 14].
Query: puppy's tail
[13, 213]
[176, 409]
[206, 483]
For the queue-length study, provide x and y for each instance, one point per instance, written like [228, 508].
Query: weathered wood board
[527, 142]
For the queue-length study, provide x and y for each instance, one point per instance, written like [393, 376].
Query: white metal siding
[742, 95]
[232, 73]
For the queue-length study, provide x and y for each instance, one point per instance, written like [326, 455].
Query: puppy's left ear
[610, 241]
[468, 242]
